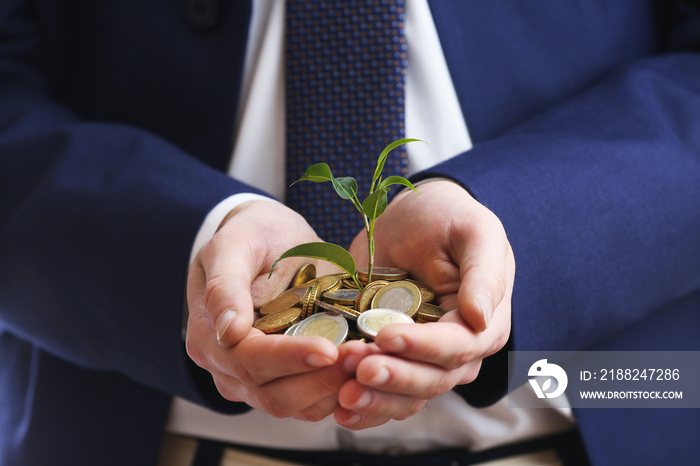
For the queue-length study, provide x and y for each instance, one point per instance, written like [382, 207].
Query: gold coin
[401, 296]
[389, 274]
[350, 284]
[344, 296]
[305, 274]
[292, 329]
[372, 321]
[329, 283]
[345, 311]
[280, 303]
[364, 299]
[299, 290]
[429, 313]
[278, 321]
[324, 324]
[427, 293]
[309, 302]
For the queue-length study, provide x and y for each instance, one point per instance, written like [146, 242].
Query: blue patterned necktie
[345, 69]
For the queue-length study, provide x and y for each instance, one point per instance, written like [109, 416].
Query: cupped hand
[446, 239]
[277, 374]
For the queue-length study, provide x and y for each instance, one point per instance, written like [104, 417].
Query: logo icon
[543, 370]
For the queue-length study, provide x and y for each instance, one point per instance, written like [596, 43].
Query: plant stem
[370, 249]
[370, 240]
[357, 282]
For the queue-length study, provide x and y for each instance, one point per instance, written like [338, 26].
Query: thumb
[487, 270]
[220, 287]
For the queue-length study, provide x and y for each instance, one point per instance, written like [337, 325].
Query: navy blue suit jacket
[116, 122]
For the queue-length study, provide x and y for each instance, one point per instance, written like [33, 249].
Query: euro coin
[345, 311]
[429, 313]
[364, 299]
[329, 283]
[372, 321]
[278, 321]
[350, 284]
[304, 275]
[401, 296]
[292, 330]
[307, 306]
[280, 303]
[299, 290]
[427, 293]
[344, 297]
[389, 274]
[329, 325]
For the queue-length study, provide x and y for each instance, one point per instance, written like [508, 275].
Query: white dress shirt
[433, 114]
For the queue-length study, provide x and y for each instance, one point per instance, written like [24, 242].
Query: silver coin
[329, 325]
[401, 296]
[372, 321]
[343, 296]
[292, 330]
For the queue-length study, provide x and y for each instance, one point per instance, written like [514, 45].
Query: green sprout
[371, 208]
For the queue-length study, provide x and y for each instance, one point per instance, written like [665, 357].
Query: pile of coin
[333, 307]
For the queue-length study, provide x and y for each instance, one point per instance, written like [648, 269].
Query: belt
[564, 449]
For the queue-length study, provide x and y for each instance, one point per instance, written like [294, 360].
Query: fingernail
[484, 303]
[318, 360]
[395, 345]
[223, 323]
[354, 419]
[381, 377]
[363, 400]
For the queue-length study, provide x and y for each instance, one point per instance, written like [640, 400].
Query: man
[582, 121]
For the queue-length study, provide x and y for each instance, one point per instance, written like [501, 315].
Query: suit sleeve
[96, 225]
[600, 199]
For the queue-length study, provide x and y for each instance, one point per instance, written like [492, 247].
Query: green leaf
[326, 251]
[396, 180]
[345, 186]
[383, 156]
[318, 173]
[375, 204]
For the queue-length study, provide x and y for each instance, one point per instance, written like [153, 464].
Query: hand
[448, 240]
[277, 374]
